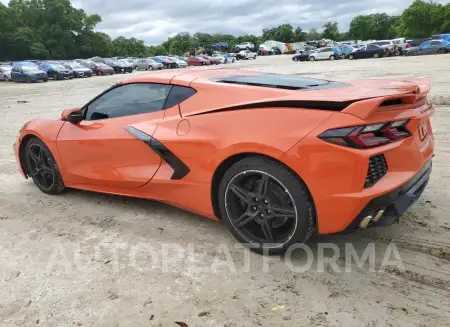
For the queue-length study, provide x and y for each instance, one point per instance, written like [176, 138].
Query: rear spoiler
[413, 97]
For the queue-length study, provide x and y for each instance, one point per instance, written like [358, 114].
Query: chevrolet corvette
[276, 157]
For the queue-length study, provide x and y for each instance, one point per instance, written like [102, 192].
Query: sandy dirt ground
[84, 259]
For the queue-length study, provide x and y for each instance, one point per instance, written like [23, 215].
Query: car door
[371, 50]
[17, 73]
[101, 149]
[424, 48]
[434, 47]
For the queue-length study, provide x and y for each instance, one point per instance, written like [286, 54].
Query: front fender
[44, 129]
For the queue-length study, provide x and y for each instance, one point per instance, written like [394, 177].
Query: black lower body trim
[179, 168]
[396, 202]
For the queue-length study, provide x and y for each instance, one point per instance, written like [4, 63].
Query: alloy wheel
[39, 167]
[260, 208]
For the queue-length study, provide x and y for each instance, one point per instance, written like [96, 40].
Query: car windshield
[124, 61]
[75, 65]
[58, 66]
[28, 67]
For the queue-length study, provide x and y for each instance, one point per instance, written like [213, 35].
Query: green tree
[331, 31]
[423, 19]
[377, 26]
[313, 35]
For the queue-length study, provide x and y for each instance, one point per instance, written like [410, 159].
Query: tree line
[44, 29]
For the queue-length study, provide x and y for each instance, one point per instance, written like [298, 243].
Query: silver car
[180, 62]
[5, 73]
[147, 64]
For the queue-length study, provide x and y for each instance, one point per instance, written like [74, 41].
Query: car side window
[425, 44]
[127, 100]
[177, 95]
[435, 43]
[371, 47]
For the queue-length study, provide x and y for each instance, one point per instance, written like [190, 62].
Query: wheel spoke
[47, 170]
[33, 156]
[262, 185]
[241, 193]
[43, 179]
[244, 219]
[277, 212]
[36, 171]
[267, 230]
[41, 155]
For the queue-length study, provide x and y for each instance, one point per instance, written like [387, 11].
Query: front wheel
[351, 57]
[332, 57]
[312, 58]
[42, 167]
[376, 55]
[441, 51]
[265, 205]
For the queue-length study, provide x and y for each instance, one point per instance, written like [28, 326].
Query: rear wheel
[136, 67]
[351, 57]
[42, 167]
[376, 55]
[27, 79]
[265, 205]
[441, 51]
[150, 67]
[332, 57]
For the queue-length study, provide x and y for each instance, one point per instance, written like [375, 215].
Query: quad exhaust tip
[371, 218]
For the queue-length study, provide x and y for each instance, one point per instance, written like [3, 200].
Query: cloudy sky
[154, 21]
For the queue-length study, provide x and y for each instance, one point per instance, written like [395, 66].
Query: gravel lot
[84, 259]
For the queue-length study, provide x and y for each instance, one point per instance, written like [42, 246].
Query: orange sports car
[277, 157]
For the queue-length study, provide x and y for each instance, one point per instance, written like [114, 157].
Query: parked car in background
[245, 46]
[27, 72]
[56, 71]
[246, 54]
[78, 69]
[302, 56]
[326, 53]
[168, 63]
[197, 61]
[401, 45]
[147, 64]
[445, 37]
[119, 66]
[213, 61]
[99, 68]
[5, 73]
[429, 47]
[346, 49]
[389, 45]
[180, 62]
[367, 51]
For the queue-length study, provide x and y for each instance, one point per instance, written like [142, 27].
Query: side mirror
[72, 115]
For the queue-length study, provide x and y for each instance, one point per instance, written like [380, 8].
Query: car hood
[82, 70]
[34, 71]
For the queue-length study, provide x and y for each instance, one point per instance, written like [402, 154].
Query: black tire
[27, 79]
[150, 67]
[442, 51]
[311, 58]
[332, 57]
[351, 57]
[284, 186]
[49, 170]
[376, 55]
[136, 67]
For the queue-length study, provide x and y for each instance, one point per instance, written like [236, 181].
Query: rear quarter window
[177, 95]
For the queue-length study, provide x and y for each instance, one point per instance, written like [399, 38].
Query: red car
[100, 68]
[212, 60]
[197, 61]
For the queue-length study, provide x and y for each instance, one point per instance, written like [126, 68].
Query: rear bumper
[393, 204]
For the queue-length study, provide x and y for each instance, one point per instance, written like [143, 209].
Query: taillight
[367, 136]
